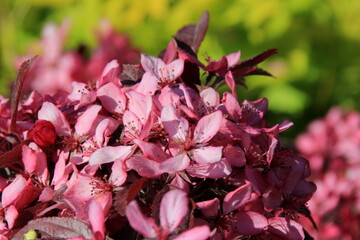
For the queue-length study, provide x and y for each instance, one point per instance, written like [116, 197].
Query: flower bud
[42, 133]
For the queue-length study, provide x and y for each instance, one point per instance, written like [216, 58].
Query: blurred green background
[318, 64]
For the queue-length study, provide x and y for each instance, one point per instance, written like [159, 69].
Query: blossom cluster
[332, 145]
[144, 151]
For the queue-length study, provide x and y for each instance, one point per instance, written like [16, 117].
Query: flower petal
[51, 113]
[249, 223]
[173, 208]
[86, 120]
[237, 198]
[110, 154]
[198, 233]
[177, 127]
[206, 155]
[145, 226]
[207, 127]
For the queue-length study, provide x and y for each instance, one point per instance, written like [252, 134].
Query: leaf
[17, 89]
[130, 74]
[194, 34]
[253, 61]
[13, 156]
[56, 227]
[135, 188]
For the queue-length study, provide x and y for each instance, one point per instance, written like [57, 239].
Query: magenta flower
[173, 209]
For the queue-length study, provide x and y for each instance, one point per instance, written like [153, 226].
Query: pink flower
[173, 209]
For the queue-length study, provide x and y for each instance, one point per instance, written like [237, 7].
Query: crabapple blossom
[104, 149]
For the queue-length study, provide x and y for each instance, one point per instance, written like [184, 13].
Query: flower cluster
[144, 150]
[332, 146]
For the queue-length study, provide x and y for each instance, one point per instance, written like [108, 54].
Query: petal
[237, 198]
[118, 174]
[175, 164]
[215, 170]
[102, 131]
[174, 70]
[177, 127]
[249, 223]
[132, 125]
[140, 104]
[210, 97]
[148, 84]
[51, 113]
[198, 233]
[29, 159]
[209, 208]
[151, 150]
[152, 64]
[231, 83]
[288, 229]
[112, 99]
[144, 166]
[12, 191]
[233, 58]
[10, 216]
[235, 155]
[97, 218]
[109, 73]
[145, 226]
[232, 106]
[180, 183]
[204, 155]
[207, 127]
[86, 120]
[80, 189]
[173, 208]
[110, 154]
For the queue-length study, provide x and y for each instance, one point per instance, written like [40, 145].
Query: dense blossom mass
[145, 151]
[332, 145]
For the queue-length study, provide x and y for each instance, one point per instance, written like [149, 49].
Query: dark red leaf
[253, 61]
[130, 74]
[17, 89]
[220, 67]
[135, 188]
[191, 75]
[194, 34]
[56, 227]
[14, 156]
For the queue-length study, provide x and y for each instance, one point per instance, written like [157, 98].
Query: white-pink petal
[207, 127]
[110, 154]
[237, 198]
[175, 164]
[209, 208]
[97, 218]
[198, 233]
[173, 208]
[177, 127]
[206, 155]
[148, 84]
[10, 215]
[112, 99]
[144, 167]
[85, 121]
[145, 226]
[118, 173]
[215, 170]
[52, 114]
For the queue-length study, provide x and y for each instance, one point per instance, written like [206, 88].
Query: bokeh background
[318, 64]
